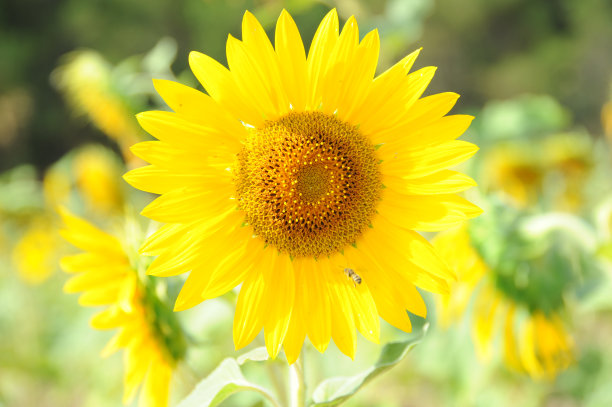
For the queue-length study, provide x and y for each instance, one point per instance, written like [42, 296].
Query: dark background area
[485, 50]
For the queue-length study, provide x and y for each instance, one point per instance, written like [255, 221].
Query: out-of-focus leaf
[526, 116]
[336, 390]
[20, 190]
[540, 226]
[163, 54]
[224, 381]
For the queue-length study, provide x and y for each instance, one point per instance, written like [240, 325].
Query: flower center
[312, 182]
[308, 182]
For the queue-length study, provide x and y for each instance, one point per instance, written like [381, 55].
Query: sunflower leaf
[256, 355]
[224, 381]
[336, 390]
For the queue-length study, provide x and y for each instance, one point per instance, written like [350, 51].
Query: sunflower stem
[297, 384]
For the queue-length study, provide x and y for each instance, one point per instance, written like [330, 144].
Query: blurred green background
[536, 74]
[486, 49]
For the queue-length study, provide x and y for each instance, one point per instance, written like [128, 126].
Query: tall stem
[297, 384]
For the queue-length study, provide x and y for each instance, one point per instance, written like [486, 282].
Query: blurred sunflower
[535, 340]
[516, 169]
[570, 161]
[106, 276]
[551, 171]
[35, 254]
[97, 179]
[85, 80]
[304, 178]
[93, 172]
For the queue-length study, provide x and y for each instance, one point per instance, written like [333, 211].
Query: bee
[352, 275]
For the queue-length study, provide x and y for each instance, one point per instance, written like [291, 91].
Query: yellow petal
[279, 296]
[383, 125]
[87, 261]
[88, 238]
[343, 319]
[485, 310]
[250, 308]
[322, 46]
[296, 334]
[136, 362]
[106, 294]
[292, 60]
[206, 138]
[160, 181]
[179, 159]
[383, 92]
[334, 80]
[413, 163]
[264, 64]
[252, 80]
[191, 293]
[220, 85]
[198, 107]
[111, 317]
[95, 278]
[312, 285]
[429, 109]
[234, 269]
[428, 213]
[441, 182]
[357, 81]
[359, 298]
[397, 286]
[446, 129]
[156, 386]
[190, 204]
[511, 354]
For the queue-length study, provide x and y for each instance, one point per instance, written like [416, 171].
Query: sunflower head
[296, 167]
[147, 331]
[308, 183]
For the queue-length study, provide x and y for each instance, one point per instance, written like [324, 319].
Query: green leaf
[256, 355]
[224, 381]
[336, 390]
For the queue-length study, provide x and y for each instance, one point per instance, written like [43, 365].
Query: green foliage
[337, 390]
[224, 381]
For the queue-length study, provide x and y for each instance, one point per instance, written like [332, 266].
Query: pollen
[308, 183]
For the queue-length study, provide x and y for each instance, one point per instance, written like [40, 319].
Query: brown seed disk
[308, 182]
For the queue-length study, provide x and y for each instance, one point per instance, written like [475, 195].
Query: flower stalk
[297, 384]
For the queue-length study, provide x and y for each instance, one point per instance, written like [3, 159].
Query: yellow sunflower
[104, 274]
[455, 248]
[35, 255]
[84, 79]
[304, 178]
[517, 170]
[534, 342]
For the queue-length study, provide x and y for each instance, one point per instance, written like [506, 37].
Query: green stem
[277, 382]
[297, 384]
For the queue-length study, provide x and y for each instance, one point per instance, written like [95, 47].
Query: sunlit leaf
[336, 390]
[256, 355]
[224, 381]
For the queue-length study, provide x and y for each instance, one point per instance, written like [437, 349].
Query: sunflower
[85, 80]
[516, 169]
[535, 341]
[35, 254]
[455, 248]
[97, 174]
[105, 276]
[304, 178]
